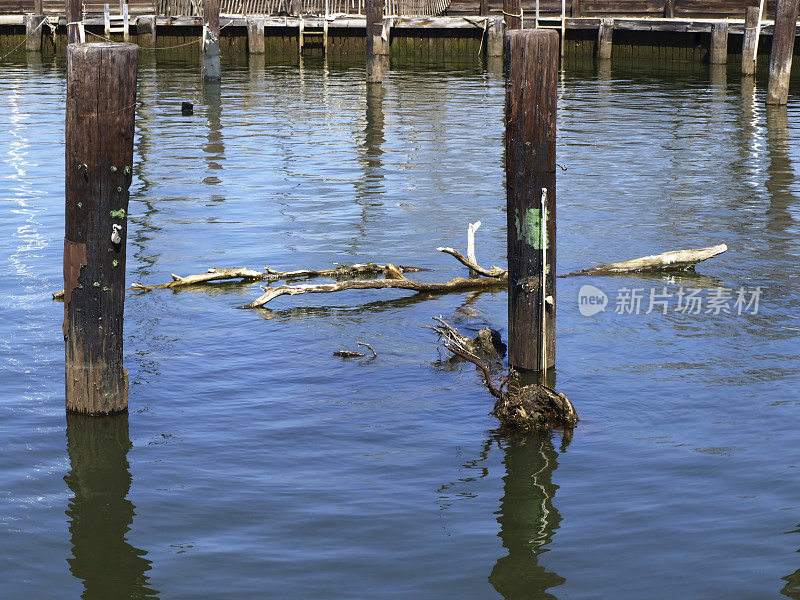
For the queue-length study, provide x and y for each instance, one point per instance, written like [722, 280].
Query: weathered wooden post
[512, 11]
[377, 46]
[718, 53]
[532, 62]
[211, 67]
[494, 38]
[780, 62]
[255, 35]
[101, 104]
[576, 8]
[669, 9]
[74, 22]
[33, 29]
[749, 42]
[483, 7]
[605, 39]
[146, 30]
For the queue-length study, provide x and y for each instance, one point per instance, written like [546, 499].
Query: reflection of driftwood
[677, 260]
[459, 284]
[520, 407]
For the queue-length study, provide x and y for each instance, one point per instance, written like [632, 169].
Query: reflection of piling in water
[527, 519]
[780, 175]
[100, 515]
[214, 147]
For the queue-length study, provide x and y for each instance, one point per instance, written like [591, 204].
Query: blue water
[255, 464]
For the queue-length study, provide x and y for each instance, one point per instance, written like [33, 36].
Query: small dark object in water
[187, 108]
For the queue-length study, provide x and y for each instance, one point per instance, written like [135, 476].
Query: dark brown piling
[211, 66]
[74, 11]
[101, 99]
[377, 46]
[718, 52]
[255, 35]
[669, 9]
[605, 39]
[532, 61]
[512, 11]
[576, 8]
[749, 42]
[780, 62]
[483, 7]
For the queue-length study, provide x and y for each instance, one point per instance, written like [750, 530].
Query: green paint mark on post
[529, 228]
[118, 214]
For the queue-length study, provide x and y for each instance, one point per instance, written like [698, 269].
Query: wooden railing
[302, 7]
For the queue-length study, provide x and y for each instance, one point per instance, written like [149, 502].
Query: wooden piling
[576, 9]
[146, 30]
[74, 9]
[494, 38]
[669, 9]
[532, 62]
[101, 103]
[749, 42]
[483, 7]
[33, 32]
[211, 66]
[377, 46]
[718, 52]
[255, 36]
[605, 39]
[780, 62]
[512, 11]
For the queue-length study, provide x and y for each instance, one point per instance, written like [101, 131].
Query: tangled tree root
[518, 407]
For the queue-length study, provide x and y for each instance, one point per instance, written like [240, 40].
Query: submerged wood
[522, 408]
[677, 260]
[473, 266]
[212, 274]
[459, 284]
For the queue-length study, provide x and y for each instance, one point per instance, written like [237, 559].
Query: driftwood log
[518, 407]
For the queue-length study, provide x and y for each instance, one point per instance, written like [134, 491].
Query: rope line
[18, 46]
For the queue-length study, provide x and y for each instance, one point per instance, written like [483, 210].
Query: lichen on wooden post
[532, 62]
[100, 109]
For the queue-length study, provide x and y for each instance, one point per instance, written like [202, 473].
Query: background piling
[33, 32]
[532, 61]
[605, 39]
[512, 13]
[749, 41]
[211, 66]
[146, 30]
[377, 47]
[101, 103]
[255, 35]
[718, 53]
[494, 38]
[74, 11]
[780, 62]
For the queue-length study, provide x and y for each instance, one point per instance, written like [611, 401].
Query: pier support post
[512, 11]
[255, 36]
[669, 9]
[101, 104]
[532, 63]
[576, 9]
[74, 11]
[749, 43]
[33, 32]
[146, 30]
[211, 67]
[780, 62]
[377, 44]
[718, 53]
[483, 7]
[494, 38]
[605, 39]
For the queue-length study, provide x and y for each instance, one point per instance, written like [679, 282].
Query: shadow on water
[527, 519]
[100, 515]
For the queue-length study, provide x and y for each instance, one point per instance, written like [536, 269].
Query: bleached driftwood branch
[473, 266]
[459, 284]
[212, 274]
[677, 260]
[345, 271]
